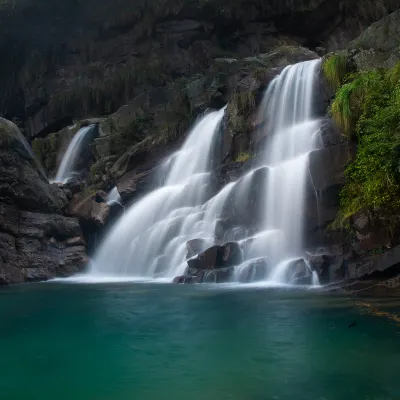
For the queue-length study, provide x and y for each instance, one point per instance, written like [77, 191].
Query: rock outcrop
[37, 241]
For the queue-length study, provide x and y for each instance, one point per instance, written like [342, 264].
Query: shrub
[369, 107]
[335, 68]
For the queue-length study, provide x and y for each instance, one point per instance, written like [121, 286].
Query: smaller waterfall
[70, 158]
[113, 197]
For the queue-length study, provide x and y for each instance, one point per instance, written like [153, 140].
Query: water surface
[156, 341]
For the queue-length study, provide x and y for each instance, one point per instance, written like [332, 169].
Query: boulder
[92, 208]
[328, 262]
[216, 257]
[133, 183]
[254, 271]
[373, 263]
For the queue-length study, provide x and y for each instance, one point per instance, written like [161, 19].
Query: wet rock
[217, 257]
[254, 271]
[302, 279]
[243, 206]
[195, 246]
[179, 279]
[93, 208]
[328, 262]
[133, 183]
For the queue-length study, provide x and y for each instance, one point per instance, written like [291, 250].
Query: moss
[243, 157]
[239, 110]
[370, 103]
[335, 69]
[39, 148]
[8, 131]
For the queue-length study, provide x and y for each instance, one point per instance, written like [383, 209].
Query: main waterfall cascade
[149, 241]
[68, 163]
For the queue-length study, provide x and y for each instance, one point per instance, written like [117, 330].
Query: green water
[132, 341]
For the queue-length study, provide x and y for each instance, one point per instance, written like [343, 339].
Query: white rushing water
[70, 157]
[150, 239]
[292, 133]
[113, 197]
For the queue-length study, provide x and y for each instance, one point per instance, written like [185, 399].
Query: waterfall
[70, 158]
[113, 197]
[293, 132]
[150, 239]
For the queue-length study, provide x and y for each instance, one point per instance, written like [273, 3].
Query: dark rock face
[36, 241]
[92, 42]
[378, 45]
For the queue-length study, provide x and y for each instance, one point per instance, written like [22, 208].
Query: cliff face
[74, 59]
[36, 241]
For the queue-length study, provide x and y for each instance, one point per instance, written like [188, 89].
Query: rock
[217, 257]
[22, 180]
[75, 241]
[327, 167]
[254, 271]
[245, 201]
[209, 259]
[32, 227]
[37, 225]
[179, 279]
[221, 275]
[381, 42]
[302, 279]
[327, 262]
[133, 183]
[89, 209]
[195, 246]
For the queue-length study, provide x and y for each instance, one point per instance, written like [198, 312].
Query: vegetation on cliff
[367, 108]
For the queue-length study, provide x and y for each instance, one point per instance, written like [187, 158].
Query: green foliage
[370, 109]
[243, 157]
[335, 69]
